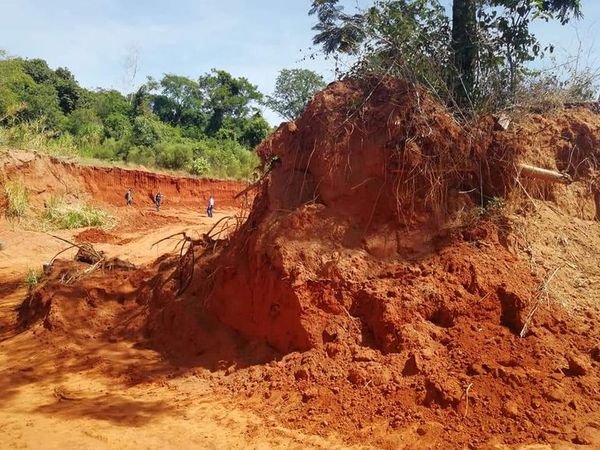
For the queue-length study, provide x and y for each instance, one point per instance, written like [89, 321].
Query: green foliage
[61, 215]
[293, 90]
[167, 123]
[106, 103]
[84, 122]
[174, 156]
[226, 158]
[482, 54]
[33, 278]
[200, 166]
[495, 203]
[253, 130]
[178, 101]
[141, 155]
[227, 97]
[145, 131]
[16, 198]
[117, 126]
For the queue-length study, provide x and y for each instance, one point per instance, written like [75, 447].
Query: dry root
[89, 255]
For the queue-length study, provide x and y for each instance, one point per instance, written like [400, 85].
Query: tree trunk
[464, 44]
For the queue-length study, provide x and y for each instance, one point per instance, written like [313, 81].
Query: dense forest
[208, 126]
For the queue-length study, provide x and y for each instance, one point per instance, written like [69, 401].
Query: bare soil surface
[84, 391]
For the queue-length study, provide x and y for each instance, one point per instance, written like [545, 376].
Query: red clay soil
[47, 177]
[99, 236]
[390, 311]
[568, 141]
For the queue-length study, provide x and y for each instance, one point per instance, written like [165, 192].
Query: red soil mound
[348, 252]
[47, 177]
[351, 188]
[99, 236]
[360, 253]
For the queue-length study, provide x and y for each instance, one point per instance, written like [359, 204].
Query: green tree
[117, 126]
[62, 80]
[140, 102]
[22, 99]
[464, 44]
[177, 101]
[108, 102]
[145, 131]
[405, 37]
[227, 97]
[293, 89]
[253, 130]
[68, 90]
[488, 39]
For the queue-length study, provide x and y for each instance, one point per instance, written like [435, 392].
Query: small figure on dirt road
[158, 200]
[129, 197]
[211, 206]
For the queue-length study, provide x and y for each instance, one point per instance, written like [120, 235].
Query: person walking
[129, 197]
[158, 200]
[211, 206]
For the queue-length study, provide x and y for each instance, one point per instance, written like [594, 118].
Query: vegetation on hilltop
[473, 56]
[208, 126]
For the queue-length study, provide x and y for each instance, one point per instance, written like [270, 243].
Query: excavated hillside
[388, 284]
[46, 177]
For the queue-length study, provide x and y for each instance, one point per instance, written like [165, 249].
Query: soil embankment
[46, 177]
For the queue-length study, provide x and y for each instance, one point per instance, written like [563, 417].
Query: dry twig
[543, 295]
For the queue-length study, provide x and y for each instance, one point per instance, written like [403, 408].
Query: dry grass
[62, 215]
[16, 199]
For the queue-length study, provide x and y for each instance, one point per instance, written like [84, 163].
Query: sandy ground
[116, 395]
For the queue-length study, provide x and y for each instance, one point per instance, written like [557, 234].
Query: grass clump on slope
[17, 200]
[61, 215]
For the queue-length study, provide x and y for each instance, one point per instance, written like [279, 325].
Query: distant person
[158, 200]
[129, 197]
[211, 206]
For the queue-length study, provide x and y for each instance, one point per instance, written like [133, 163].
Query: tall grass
[61, 215]
[17, 200]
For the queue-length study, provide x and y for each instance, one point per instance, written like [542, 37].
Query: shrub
[33, 278]
[86, 126]
[174, 156]
[141, 155]
[145, 131]
[27, 135]
[199, 166]
[63, 145]
[117, 126]
[17, 200]
[227, 159]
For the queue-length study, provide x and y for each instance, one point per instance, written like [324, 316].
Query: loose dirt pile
[99, 236]
[366, 295]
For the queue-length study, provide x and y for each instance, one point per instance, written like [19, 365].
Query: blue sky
[254, 39]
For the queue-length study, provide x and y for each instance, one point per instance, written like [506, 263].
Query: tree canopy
[293, 89]
[483, 46]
